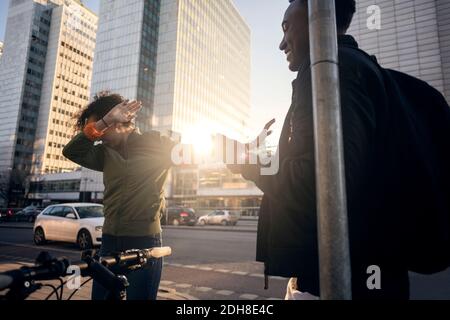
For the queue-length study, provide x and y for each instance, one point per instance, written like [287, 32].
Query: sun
[200, 140]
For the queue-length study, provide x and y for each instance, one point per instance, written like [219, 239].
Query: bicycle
[21, 283]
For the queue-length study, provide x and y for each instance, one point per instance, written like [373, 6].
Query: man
[287, 230]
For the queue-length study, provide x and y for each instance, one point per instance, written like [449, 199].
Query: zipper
[123, 192]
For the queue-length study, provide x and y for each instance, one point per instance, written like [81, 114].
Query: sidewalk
[165, 293]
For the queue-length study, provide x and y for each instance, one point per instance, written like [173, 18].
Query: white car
[79, 223]
[222, 217]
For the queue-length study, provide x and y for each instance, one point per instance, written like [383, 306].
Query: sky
[271, 79]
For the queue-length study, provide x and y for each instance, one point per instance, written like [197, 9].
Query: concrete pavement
[206, 265]
[84, 293]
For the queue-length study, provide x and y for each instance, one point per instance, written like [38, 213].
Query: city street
[206, 264]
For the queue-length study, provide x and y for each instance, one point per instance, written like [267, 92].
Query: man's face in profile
[295, 42]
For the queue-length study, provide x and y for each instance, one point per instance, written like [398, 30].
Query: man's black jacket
[287, 230]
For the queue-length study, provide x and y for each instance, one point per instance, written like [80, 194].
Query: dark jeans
[144, 282]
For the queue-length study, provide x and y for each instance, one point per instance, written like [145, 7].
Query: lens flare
[200, 140]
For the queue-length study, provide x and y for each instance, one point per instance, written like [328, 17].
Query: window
[57, 212]
[90, 212]
[48, 211]
[67, 211]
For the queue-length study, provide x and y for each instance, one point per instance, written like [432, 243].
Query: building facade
[203, 88]
[125, 58]
[66, 85]
[414, 38]
[189, 61]
[26, 83]
[204, 62]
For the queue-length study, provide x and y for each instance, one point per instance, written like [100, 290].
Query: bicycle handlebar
[48, 271]
[56, 268]
[159, 252]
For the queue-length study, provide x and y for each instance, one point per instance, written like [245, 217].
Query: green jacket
[134, 180]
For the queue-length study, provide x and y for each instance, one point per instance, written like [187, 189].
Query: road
[207, 264]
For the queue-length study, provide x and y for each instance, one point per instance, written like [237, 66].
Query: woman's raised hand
[123, 112]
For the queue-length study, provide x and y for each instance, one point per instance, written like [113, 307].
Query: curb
[209, 229]
[5, 226]
[248, 219]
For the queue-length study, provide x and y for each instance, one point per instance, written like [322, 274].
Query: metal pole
[334, 255]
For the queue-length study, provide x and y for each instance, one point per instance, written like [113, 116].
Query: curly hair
[102, 104]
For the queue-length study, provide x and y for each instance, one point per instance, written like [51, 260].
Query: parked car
[28, 214]
[179, 216]
[222, 217]
[79, 223]
[7, 214]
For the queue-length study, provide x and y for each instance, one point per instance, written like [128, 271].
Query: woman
[135, 167]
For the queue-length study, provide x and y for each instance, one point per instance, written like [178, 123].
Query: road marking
[240, 273]
[248, 296]
[278, 278]
[36, 247]
[257, 275]
[222, 270]
[215, 292]
[225, 292]
[5, 256]
[183, 285]
[205, 269]
[177, 265]
[203, 289]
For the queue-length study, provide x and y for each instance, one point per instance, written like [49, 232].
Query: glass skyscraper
[125, 57]
[204, 62]
[21, 75]
[36, 58]
[189, 62]
[203, 88]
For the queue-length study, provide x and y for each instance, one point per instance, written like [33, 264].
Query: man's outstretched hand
[250, 169]
[261, 138]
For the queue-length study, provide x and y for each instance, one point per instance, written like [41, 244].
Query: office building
[45, 66]
[414, 38]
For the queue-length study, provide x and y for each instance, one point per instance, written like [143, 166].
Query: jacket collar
[343, 40]
[347, 40]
